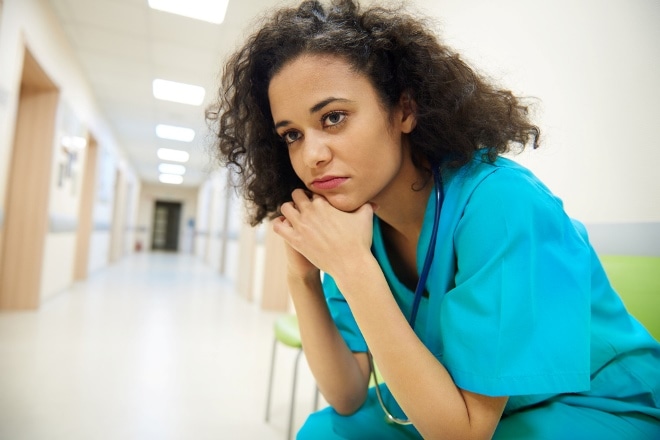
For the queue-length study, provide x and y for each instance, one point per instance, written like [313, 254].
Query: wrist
[359, 270]
[309, 278]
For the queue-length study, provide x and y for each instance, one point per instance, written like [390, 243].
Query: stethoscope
[421, 283]
[419, 289]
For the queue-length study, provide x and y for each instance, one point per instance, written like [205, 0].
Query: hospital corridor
[158, 346]
[137, 300]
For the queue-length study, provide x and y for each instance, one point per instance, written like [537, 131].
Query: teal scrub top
[519, 304]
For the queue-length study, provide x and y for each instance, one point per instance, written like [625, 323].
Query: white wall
[216, 219]
[67, 169]
[594, 65]
[106, 174]
[237, 219]
[33, 24]
[204, 197]
[220, 217]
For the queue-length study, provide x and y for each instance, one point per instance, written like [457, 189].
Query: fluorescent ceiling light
[171, 178]
[175, 133]
[170, 168]
[178, 92]
[212, 11]
[173, 155]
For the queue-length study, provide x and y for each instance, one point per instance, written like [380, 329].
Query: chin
[344, 205]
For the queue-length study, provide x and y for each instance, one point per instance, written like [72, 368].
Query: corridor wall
[32, 26]
[217, 219]
[591, 69]
[220, 216]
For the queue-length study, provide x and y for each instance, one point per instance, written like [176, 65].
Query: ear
[408, 112]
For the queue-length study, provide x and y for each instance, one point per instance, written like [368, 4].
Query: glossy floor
[157, 346]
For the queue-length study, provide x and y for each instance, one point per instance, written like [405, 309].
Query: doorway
[28, 189]
[167, 219]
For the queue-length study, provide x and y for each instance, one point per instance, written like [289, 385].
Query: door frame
[85, 212]
[28, 189]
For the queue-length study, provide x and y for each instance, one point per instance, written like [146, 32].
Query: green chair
[287, 333]
[637, 280]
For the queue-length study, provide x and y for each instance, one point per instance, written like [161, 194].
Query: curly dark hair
[458, 112]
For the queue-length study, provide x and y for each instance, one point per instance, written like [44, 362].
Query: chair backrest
[637, 281]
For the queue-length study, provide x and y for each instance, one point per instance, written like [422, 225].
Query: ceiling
[123, 45]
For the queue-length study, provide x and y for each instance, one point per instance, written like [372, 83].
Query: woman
[376, 151]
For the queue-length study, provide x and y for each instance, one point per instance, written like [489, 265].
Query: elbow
[455, 430]
[346, 410]
[349, 404]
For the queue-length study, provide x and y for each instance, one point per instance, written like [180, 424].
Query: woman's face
[342, 142]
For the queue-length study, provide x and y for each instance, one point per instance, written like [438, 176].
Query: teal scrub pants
[552, 421]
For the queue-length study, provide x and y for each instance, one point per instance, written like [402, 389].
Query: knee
[317, 426]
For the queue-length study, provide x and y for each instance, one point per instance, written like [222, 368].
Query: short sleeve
[342, 316]
[518, 319]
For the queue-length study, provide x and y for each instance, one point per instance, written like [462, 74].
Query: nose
[316, 151]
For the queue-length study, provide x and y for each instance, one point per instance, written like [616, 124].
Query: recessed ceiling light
[171, 178]
[212, 11]
[178, 92]
[170, 168]
[175, 133]
[173, 155]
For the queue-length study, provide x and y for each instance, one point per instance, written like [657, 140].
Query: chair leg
[293, 394]
[270, 380]
[316, 398]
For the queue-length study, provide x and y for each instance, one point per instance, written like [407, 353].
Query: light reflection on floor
[156, 346]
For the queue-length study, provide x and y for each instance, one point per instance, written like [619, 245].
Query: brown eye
[290, 137]
[333, 118]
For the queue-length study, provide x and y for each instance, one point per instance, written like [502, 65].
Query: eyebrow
[315, 108]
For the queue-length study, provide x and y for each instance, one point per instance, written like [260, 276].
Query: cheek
[296, 162]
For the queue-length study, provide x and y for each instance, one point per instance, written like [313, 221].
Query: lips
[329, 182]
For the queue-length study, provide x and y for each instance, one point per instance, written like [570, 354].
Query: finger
[299, 197]
[318, 197]
[282, 227]
[288, 210]
[281, 221]
[278, 223]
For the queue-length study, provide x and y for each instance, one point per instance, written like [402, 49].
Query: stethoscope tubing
[419, 289]
[421, 283]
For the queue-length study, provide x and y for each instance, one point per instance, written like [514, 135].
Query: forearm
[419, 382]
[339, 376]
